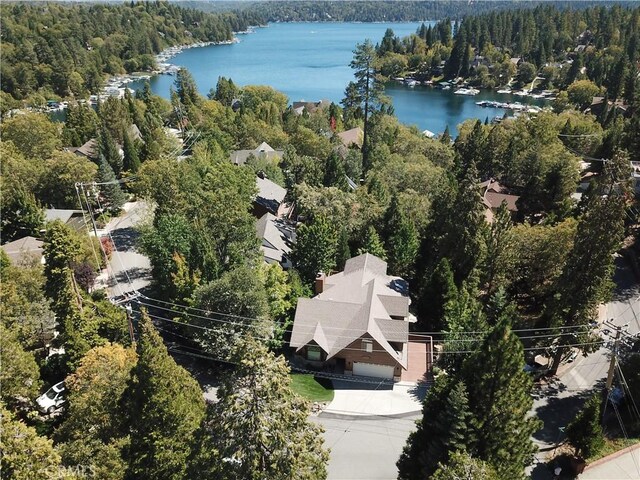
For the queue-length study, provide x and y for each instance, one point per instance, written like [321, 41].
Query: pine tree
[368, 88]
[401, 240]
[343, 252]
[446, 136]
[131, 161]
[109, 151]
[586, 278]
[443, 429]
[165, 406]
[112, 196]
[372, 244]
[498, 244]
[334, 174]
[585, 432]
[500, 401]
[438, 292]
[462, 466]
[259, 428]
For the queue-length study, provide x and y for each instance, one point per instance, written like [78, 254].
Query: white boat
[467, 91]
[504, 90]
[411, 83]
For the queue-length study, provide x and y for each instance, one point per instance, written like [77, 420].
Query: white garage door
[372, 370]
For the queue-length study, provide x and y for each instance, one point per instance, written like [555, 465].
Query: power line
[584, 328]
[249, 325]
[242, 334]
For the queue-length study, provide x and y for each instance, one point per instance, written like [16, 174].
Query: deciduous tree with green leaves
[25, 454]
[315, 249]
[94, 431]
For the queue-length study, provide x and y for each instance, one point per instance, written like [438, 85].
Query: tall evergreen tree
[109, 151]
[401, 240]
[343, 251]
[372, 244]
[586, 278]
[585, 432]
[165, 406]
[131, 161]
[369, 90]
[445, 427]
[259, 428]
[438, 292]
[500, 401]
[112, 196]
[498, 249]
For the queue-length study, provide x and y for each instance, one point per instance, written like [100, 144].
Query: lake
[310, 61]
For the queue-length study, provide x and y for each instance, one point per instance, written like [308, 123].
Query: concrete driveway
[355, 399]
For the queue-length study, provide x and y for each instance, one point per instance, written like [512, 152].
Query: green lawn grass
[305, 385]
[612, 445]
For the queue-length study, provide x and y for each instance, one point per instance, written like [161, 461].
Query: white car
[53, 398]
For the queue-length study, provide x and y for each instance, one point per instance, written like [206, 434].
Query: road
[128, 269]
[368, 448]
[365, 448]
[558, 405]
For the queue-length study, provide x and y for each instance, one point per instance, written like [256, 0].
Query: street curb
[613, 456]
[350, 416]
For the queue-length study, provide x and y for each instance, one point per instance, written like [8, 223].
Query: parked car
[52, 399]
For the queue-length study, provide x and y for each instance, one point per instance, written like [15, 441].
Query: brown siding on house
[355, 353]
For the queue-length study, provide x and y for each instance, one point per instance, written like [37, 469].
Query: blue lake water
[310, 61]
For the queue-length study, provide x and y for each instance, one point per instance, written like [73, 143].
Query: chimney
[320, 282]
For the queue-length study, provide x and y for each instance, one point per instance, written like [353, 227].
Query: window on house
[367, 345]
[314, 353]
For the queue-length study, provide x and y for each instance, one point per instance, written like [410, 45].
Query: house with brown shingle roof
[357, 323]
[493, 194]
[354, 136]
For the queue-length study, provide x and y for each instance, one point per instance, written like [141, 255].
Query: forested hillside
[375, 11]
[558, 46]
[67, 49]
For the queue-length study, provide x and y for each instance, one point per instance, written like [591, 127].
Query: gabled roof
[352, 137]
[23, 249]
[493, 194]
[360, 301]
[89, 149]
[270, 194]
[264, 150]
[277, 237]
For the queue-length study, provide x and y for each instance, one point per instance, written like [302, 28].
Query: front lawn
[305, 385]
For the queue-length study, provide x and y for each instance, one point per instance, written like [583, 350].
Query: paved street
[556, 406]
[365, 448]
[132, 270]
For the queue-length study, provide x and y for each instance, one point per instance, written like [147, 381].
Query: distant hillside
[377, 11]
[66, 49]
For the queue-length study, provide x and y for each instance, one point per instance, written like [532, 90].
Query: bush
[585, 432]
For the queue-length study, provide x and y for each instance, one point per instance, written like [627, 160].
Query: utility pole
[614, 358]
[129, 311]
